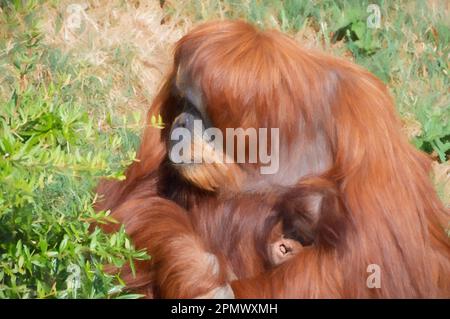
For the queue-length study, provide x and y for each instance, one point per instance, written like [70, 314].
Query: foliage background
[72, 103]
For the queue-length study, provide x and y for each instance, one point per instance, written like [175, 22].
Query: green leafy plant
[157, 122]
[52, 154]
[435, 135]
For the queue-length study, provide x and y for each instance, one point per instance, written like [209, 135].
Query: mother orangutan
[349, 187]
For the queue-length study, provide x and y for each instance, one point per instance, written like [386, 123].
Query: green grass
[67, 119]
[52, 153]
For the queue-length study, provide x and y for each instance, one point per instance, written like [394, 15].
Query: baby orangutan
[280, 248]
[300, 220]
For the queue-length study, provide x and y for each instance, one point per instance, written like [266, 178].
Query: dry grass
[123, 40]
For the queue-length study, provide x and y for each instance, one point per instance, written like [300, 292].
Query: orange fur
[337, 122]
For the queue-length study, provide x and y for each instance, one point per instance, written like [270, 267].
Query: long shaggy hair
[206, 226]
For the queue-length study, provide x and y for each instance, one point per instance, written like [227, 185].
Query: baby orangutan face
[280, 249]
